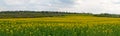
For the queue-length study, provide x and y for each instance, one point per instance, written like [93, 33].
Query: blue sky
[91, 6]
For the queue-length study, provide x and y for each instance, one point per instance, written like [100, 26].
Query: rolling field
[60, 26]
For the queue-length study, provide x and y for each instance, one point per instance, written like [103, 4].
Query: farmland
[60, 26]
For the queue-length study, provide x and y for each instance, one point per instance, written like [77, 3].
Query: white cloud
[98, 6]
[15, 2]
[92, 6]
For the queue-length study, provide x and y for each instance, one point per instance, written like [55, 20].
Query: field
[60, 26]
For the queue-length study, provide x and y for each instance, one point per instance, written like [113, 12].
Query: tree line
[30, 14]
[37, 14]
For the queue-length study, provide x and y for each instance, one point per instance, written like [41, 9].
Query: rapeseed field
[60, 26]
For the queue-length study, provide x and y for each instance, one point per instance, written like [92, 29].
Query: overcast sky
[91, 6]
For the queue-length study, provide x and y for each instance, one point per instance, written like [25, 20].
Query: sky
[79, 6]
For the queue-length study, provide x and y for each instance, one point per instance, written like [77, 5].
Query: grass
[60, 26]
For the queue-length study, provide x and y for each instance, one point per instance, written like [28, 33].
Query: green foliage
[108, 15]
[38, 14]
[29, 14]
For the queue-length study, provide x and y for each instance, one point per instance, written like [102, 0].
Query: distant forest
[38, 14]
